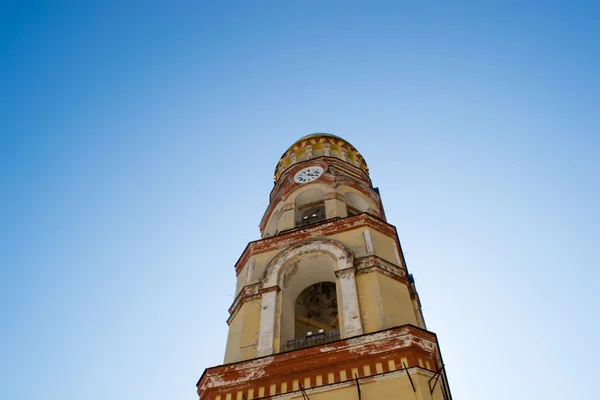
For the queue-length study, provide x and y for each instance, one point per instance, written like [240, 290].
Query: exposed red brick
[393, 344]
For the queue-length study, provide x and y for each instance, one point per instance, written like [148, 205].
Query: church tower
[325, 307]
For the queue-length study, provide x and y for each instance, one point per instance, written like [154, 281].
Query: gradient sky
[138, 143]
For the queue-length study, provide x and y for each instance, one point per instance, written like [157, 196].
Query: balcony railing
[312, 340]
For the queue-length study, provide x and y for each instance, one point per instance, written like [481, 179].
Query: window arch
[355, 204]
[284, 272]
[316, 316]
[308, 298]
[309, 207]
[273, 223]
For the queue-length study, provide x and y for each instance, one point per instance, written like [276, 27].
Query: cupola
[320, 145]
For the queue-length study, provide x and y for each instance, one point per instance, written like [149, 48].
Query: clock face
[308, 174]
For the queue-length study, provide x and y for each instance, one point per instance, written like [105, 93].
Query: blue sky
[139, 140]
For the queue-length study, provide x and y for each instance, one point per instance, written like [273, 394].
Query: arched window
[310, 207]
[292, 271]
[316, 310]
[309, 307]
[355, 204]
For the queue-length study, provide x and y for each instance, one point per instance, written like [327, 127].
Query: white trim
[347, 283]
[369, 244]
[350, 308]
[250, 271]
[267, 324]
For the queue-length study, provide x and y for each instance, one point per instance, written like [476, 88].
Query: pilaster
[267, 321]
[349, 299]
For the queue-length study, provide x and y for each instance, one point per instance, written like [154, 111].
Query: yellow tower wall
[243, 332]
[384, 298]
[396, 302]
[385, 247]
[384, 302]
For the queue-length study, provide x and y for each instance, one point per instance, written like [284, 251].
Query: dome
[320, 145]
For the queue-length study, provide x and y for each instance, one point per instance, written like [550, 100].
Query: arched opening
[309, 207]
[309, 301]
[316, 310]
[355, 204]
[292, 271]
[273, 224]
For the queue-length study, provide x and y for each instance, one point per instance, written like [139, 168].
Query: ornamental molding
[336, 250]
[334, 195]
[369, 355]
[248, 292]
[375, 263]
[324, 229]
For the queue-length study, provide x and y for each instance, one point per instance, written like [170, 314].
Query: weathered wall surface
[243, 332]
[378, 360]
[378, 278]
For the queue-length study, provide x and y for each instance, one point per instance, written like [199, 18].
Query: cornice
[323, 229]
[375, 263]
[248, 292]
[362, 265]
[389, 347]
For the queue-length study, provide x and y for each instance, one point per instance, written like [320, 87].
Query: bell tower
[325, 307]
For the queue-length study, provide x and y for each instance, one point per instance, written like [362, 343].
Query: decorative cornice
[247, 293]
[324, 229]
[345, 271]
[375, 263]
[288, 159]
[334, 195]
[269, 289]
[360, 266]
[368, 354]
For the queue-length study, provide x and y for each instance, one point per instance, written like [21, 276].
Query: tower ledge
[326, 228]
[373, 355]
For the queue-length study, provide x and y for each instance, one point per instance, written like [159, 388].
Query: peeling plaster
[330, 247]
[391, 344]
[289, 274]
[349, 300]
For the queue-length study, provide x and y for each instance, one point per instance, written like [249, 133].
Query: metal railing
[310, 220]
[312, 340]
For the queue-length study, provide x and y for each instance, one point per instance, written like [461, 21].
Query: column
[309, 154]
[286, 220]
[344, 153]
[350, 309]
[335, 206]
[369, 244]
[267, 322]
[249, 271]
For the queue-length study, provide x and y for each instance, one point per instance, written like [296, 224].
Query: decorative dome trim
[318, 145]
